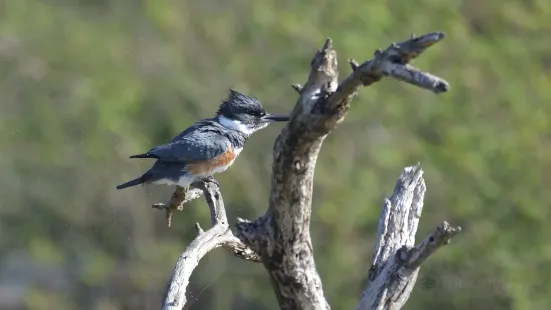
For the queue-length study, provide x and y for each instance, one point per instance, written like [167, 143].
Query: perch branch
[220, 235]
[282, 235]
[396, 260]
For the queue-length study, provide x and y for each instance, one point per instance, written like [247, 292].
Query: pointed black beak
[275, 118]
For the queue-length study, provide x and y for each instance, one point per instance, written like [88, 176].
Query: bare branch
[396, 260]
[297, 87]
[441, 236]
[198, 229]
[415, 77]
[220, 235]
[353, 64]
[391, 62]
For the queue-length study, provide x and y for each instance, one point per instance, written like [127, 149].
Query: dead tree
[280, 239]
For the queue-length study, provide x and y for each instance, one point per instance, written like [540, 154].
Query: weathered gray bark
[396, 260]
[281, 237]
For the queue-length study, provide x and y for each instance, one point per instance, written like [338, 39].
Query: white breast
[182, 181]
[236, 151]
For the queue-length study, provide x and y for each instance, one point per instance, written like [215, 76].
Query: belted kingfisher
[209, 146]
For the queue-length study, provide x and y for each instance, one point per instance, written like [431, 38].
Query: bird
[209, 146]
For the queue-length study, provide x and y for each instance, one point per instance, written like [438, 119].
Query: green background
[84, 84]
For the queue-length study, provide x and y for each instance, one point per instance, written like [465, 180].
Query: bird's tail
[136, 181]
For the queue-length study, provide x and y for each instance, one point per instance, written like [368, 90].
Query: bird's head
[245, 114]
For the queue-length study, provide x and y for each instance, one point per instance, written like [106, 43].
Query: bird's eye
[258, 113]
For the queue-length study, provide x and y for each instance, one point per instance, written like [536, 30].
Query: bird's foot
[176, 202]
[209, 179]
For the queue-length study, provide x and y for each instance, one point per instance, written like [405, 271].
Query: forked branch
[396, 260]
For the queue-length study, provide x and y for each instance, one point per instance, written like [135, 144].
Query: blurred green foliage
[86, 83]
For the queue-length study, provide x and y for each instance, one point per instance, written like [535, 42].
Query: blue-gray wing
[195, 146]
